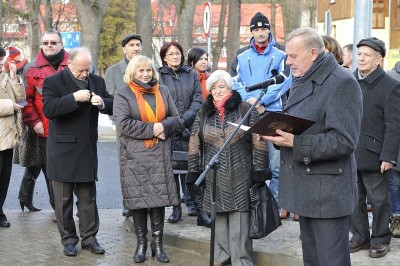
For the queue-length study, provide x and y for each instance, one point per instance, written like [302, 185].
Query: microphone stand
[213, 163]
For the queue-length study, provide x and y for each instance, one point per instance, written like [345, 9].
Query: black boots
[26, 194]
[157, 226]
[140, 221]
[176, 214]
[197, 196]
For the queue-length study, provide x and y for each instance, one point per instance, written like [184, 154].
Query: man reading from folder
[318, 170]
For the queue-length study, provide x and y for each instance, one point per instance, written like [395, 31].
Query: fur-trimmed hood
[230, 105]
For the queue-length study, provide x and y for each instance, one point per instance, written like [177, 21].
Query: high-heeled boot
[176, 214]
[197, 196]
[157, 226]
[140, 222]
[26, 193]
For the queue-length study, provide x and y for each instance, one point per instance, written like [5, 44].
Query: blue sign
[71, 39]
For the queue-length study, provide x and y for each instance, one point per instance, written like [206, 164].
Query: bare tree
[216, 52]
[233, 36]
[48, 14]
[34, 11]
[91, 14]
[144, 26]
[185, 11]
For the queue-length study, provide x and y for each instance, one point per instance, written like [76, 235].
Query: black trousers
[325, 241]
[5, 175]
[88, 214]
[376, 186]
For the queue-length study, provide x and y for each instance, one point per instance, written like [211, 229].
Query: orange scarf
[203, 78]
[146, 113]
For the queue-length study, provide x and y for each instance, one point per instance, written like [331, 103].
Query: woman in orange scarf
[146, 116]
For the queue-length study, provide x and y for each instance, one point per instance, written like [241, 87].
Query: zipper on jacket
[270, 64]
[248, 61]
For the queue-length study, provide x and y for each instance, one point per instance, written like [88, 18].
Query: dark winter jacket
[244, 161]
[185, 89]
[379, 136]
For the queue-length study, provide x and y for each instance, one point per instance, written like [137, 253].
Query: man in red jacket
[52, 58]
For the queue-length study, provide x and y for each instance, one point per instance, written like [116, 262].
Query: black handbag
[264, 213]
[180, 160]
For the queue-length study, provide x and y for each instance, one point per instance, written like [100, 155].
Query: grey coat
[380, 128]
[114, 76]
[147, 180]
[318, 175]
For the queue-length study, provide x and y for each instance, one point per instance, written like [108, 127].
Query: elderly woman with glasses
[243, 162]
[184, 86]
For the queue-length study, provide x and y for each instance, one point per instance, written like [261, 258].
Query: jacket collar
[230, 105]
[168, 70]
[41, 61]
[371, 77]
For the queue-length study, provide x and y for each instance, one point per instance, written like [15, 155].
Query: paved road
[108, 187]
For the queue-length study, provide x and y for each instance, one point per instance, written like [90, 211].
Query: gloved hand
[186, 134]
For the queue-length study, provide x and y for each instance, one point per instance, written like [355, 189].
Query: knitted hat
[375, 44]
[129, 37]
[13, 52]
[259, 21]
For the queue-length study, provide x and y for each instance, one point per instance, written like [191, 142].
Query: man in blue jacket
[261, 61]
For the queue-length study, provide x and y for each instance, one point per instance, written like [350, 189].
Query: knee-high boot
[25, 195]
[176, 214]
[140, 221]
[197, 196]
[157, 226]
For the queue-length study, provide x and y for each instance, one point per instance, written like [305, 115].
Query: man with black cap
[259, 62]
[114, 76]
[377, 149]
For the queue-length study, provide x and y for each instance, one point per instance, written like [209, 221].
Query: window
[397, 16]
[379, 12]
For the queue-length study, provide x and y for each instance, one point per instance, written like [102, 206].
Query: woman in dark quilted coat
[243, 162]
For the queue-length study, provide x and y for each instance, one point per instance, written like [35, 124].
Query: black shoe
[192, 212]
[354, 246]
[70, 250]
[126, 213]
[28, 205]
[5, 224]
[378, 250]
[176, 215]
[94, 248]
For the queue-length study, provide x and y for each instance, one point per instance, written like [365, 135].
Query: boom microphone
[278, 79]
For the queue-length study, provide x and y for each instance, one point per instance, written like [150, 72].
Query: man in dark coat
[72, 100]
[377, 149]
[318, 169]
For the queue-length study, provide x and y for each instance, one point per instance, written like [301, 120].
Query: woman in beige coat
[12, 93]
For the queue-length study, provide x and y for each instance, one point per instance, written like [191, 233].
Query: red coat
[38, 70]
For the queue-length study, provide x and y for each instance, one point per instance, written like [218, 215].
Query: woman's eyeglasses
[45, 43]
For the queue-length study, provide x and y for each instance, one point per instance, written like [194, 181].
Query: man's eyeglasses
[45, 43]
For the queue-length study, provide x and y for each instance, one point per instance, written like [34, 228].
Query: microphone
[278, 79]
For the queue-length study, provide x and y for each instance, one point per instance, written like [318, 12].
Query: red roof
[247, 12]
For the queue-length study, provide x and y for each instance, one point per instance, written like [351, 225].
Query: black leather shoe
[126, 213]
[94, 248]
[70, 250]
[354, 246]
[378, 250]
[5, 224]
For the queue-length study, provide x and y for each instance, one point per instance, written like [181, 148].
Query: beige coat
[10, 125]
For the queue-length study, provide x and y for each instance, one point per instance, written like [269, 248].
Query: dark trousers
[88, 214]
[325, 241]
[376, 186]
[5, 175]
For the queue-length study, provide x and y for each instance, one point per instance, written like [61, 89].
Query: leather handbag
[180, 160]
[264, 213]
[27, 151]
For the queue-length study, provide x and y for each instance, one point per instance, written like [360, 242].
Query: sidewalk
[33, 239]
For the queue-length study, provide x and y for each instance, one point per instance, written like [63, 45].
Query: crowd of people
[325, 175]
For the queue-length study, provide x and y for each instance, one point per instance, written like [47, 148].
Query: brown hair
[333, 47]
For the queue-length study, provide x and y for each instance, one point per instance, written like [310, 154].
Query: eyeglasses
[45, 43]
[178, 54]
